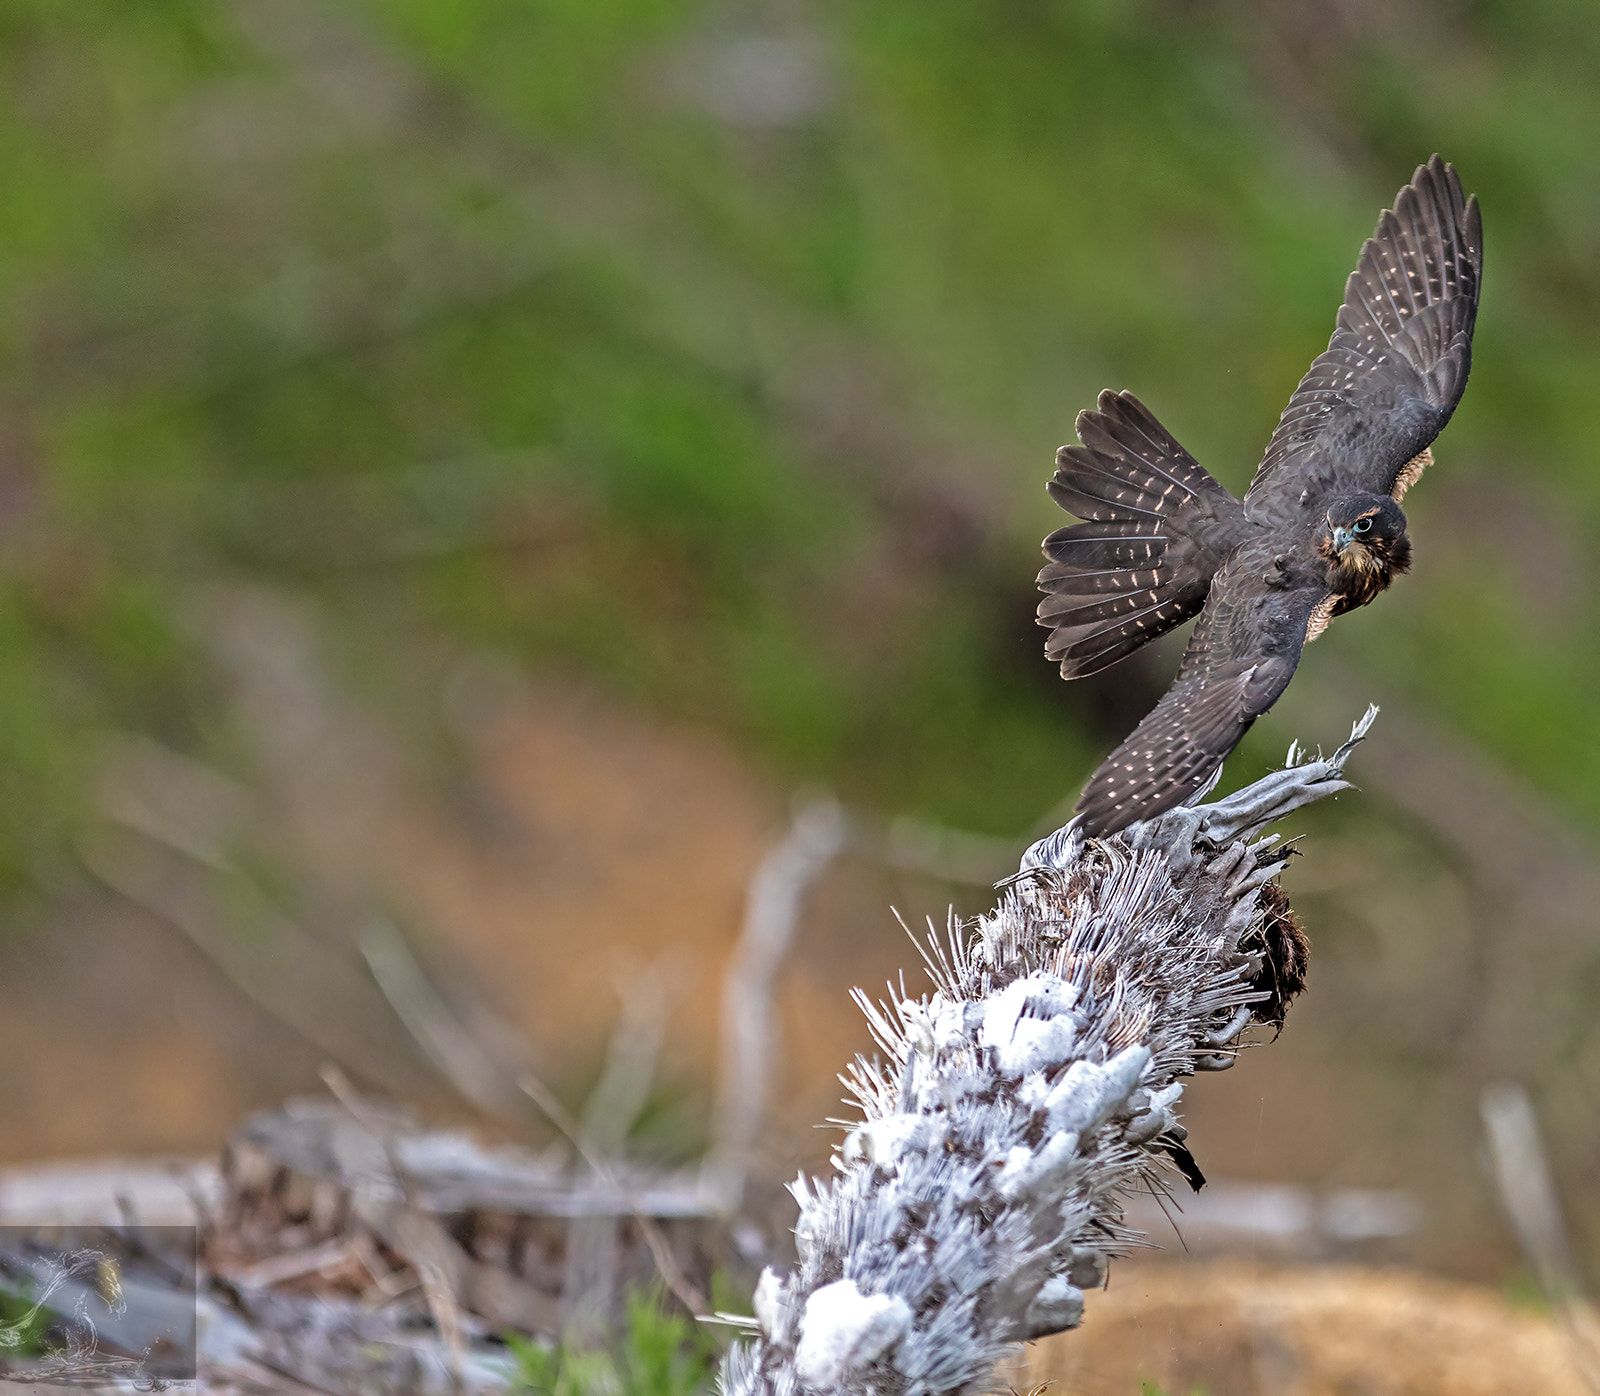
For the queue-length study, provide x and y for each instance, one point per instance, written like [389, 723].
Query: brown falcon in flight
[1319, 531]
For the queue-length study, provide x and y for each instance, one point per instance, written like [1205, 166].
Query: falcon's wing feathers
[1153, 531]
[1398, 360]
[1239, 661]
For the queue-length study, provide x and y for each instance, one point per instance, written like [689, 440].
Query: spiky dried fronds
[1019, 1105]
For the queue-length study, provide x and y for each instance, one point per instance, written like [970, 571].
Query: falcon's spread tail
[1156, 530]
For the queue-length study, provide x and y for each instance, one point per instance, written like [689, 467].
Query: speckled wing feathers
[1239, 660]
[1399, 357]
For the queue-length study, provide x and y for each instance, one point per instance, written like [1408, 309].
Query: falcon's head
[1366, 534]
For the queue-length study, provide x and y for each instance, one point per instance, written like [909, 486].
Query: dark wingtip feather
[1083, 666]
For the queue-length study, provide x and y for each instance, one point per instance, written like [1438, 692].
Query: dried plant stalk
[1017, 1107]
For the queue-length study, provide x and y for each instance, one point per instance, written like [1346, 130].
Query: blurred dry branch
[1528, 1191]
[749, 1033]
[476, 1071]
[591, 1288]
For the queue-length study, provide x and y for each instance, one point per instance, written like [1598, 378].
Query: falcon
[1319, 531]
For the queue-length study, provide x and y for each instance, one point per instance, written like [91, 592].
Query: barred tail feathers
[1134, 568]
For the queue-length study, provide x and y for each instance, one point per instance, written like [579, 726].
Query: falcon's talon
[1163, 542]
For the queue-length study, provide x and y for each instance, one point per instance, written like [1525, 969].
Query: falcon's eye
[1362, 525]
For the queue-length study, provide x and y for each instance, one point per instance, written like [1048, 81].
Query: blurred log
[308, 1203]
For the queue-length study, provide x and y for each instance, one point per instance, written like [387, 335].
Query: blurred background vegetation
[713, 356]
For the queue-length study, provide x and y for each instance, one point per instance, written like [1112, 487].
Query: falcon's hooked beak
[1352, 550]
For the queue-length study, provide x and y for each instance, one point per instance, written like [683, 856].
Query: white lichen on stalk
[1018, 1105]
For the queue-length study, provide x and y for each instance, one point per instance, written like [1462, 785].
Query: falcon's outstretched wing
[1240, 658]
[1398, 360]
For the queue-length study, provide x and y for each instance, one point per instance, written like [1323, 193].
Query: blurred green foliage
[502, 324]
[23, 1328]
[658, 1353]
